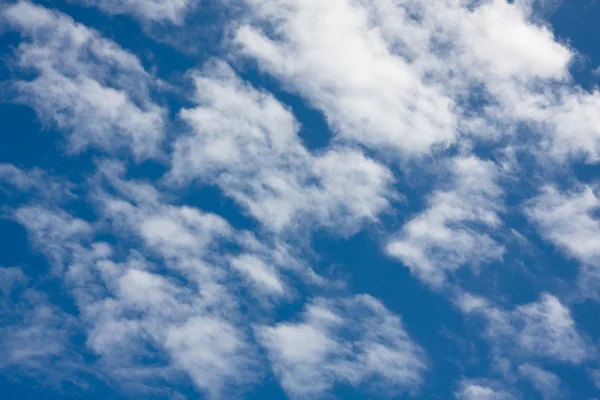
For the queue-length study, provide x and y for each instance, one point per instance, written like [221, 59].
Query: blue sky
[280, 199]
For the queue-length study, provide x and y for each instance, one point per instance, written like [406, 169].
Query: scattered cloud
[173, 11]
[481, 390]
[37, 337]
[568, 220]
[11, 278]
[547, 383]
[334, 342]
[451, 232]
[150, 291]
[246, 142]
[83, 84]
[541, 330]
[34, 182]
[333, 55]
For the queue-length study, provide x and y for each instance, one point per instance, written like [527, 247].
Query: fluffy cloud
[247, 143]
[168, 294]
[419, 75]
[162, 304]
[547, 383]
[451, 232]
[33, 182]
[10, 278]
[146, 10]
[474, 390]
[335, 342]
[84, 84]
[133, 311]
[56, 233]
[36, 336]
[332, 54]
[568, 220]
[540, 330]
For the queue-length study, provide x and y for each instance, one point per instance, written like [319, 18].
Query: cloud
[451, 231]
[541, 330]
[595, 377]
[168, 295]
[417, 76]
[56, 233]
[143, 319]
[246, 142]
[265, 277]
[547, 383]
[475, 390]
[568, 220]
[37, 337]
[84, 84]
[194, 241]
[333, 55]
[11, 278]
[34, 182]
[162, 303]
[173, 11]
[334, 342]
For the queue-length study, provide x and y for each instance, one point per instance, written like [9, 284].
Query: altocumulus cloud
[331, 199]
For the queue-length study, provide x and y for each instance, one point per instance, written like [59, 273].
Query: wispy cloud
[84, 84]
[173, 11]
[335, 341]
[453, 230]
[568, 220]
[448, 105]
[483, 390]
[541, 330]
[547, 383]
[245, 141]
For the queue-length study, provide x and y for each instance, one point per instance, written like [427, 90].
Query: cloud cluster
[542, 330]
[447, 99]
[335, 343]
[246, 142]
[173, 11]
[415, 76]
[569, 221]
[451, 231]
[84, 84]
[165, 307]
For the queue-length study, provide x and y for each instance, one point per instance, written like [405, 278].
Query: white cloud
[33, 181]
[595, 376]
[417, 75]
[568, 220]
[265, 277]
[162, 303]
[36, 337]
[213, 351]
[10, 278]
[137, 310]
[451, 232]
[547, 383]
[540, 330]
[474, 390]
[335, 342]
[247, 142]
[56, 233]
[191, 240]
[146, 10]
[85, 85]
[165, 310]
[332, 54]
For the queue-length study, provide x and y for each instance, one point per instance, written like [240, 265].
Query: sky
[300, 199]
